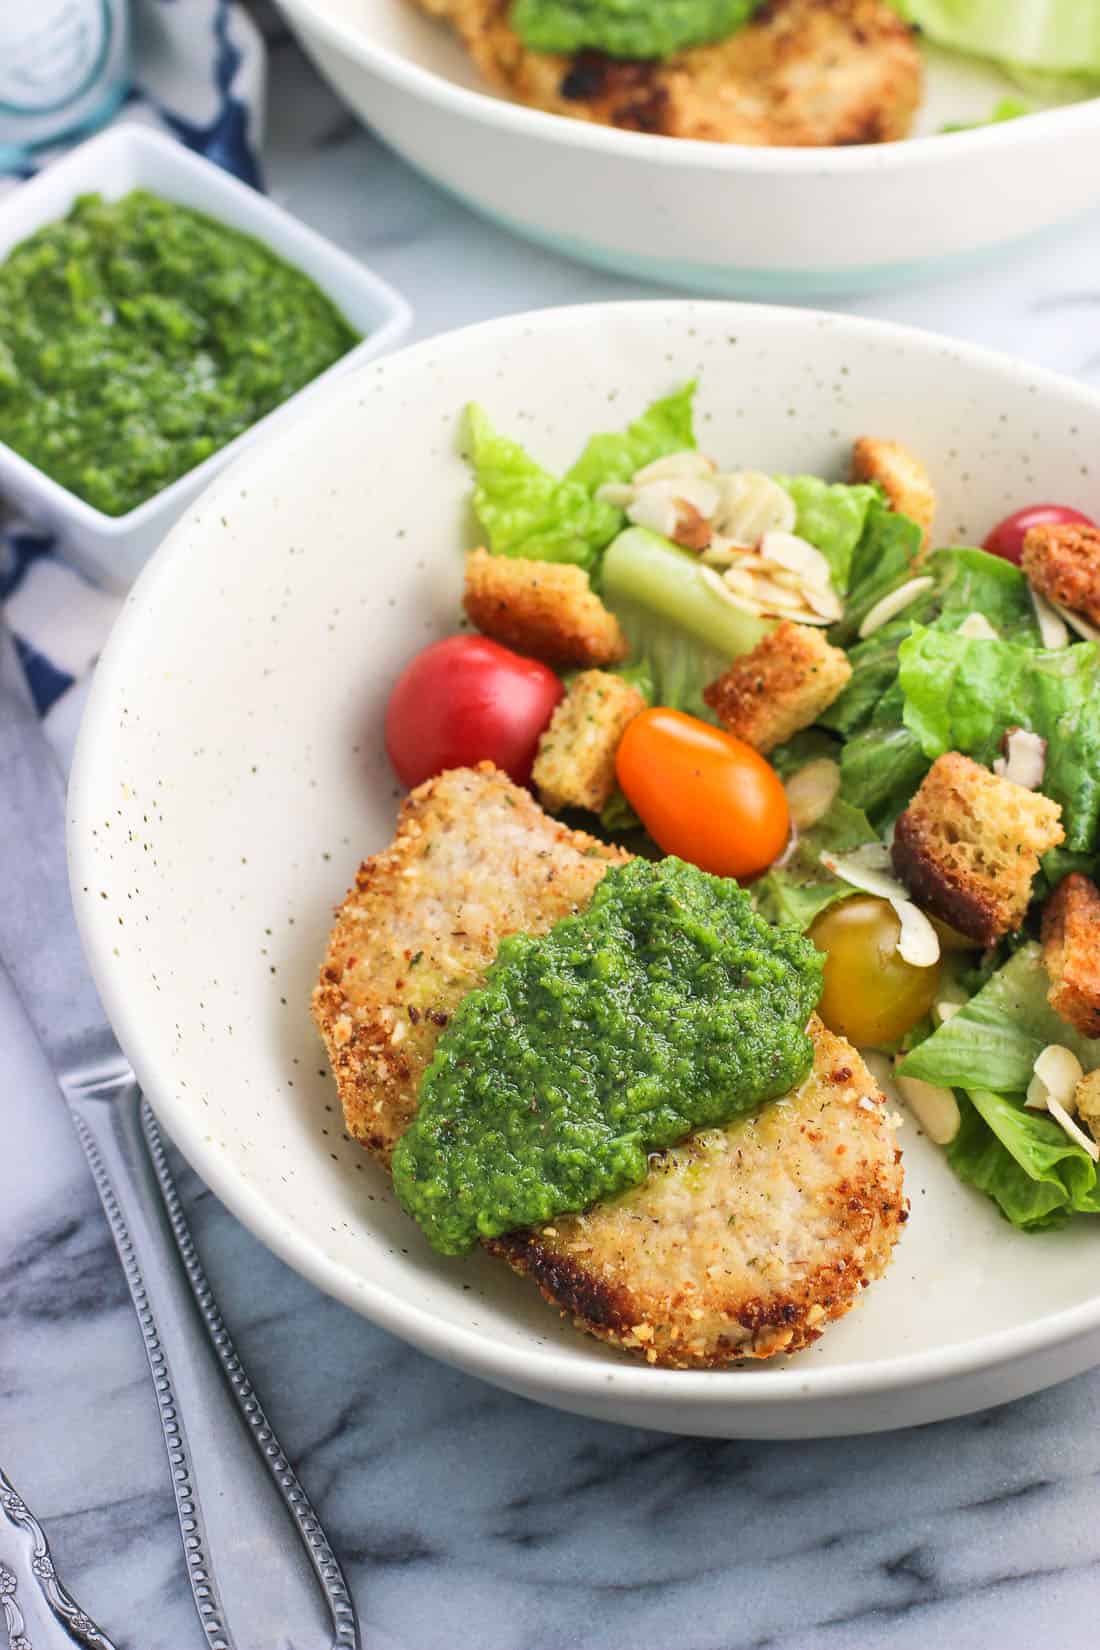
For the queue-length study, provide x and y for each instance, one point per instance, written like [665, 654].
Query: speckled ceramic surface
[230, 776]
[718, 218]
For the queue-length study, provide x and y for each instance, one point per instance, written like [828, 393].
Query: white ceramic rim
[552, 1371]
[841, 161]
[398, 318]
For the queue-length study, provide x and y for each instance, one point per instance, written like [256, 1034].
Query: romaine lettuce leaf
[798, 891]
[961, 694]
[832, 517]
[1059, 36]
[524, 510]
[675, 617]
[665, 427]
[802, 748]
[880, 768]
[1023, 1161]
[993, 1042]
[883, 558]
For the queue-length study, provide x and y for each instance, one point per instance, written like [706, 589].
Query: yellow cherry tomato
[702, 794]
[872, 995]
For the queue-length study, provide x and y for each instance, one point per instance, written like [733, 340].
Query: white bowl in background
[224, 792]
[717, 218]
[112, 549]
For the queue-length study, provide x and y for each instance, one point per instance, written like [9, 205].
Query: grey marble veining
[470, 1520]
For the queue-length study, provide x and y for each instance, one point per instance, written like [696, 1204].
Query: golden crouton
[1071, 952]
[968, 846]
[544, 608]
[902, 477]
[783, 685]
[1063, 564]
[1087, 1101]
[575, 765]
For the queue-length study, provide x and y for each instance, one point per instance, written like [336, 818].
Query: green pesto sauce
[138, 337]
[627, 28]
[667, 1006]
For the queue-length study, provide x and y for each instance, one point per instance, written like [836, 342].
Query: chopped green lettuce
[675, 616]
[1035, 1174]
[883, 761]
[994, 1041]
[961, 694]
[1020, 1158]
[665, 427]
[1006, 108]
[525, 510]
[1061, 37]
[801, 889]
[883, 558]
[803, 747]
[627, 28]
[832, 517]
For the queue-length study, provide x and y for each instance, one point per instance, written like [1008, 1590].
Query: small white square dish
[112, 549]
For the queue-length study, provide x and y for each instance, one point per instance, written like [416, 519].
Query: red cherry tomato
[1007, 538]
[702, 794]
[468, 700]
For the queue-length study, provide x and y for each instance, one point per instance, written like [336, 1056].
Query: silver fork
[262, 1572]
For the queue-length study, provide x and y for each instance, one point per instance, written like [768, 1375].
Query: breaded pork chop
[803, 72]
[742, 1242]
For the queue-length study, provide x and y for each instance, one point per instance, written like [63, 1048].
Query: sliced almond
[935, 1108]
[789, 851]
[1060, 1071]
[798, 555]
[888, 607]
[675, 467]
[616, 493]
[739, 579]
[751, 505]
[977, 628]
[1052, 629]
[1077, 1134]
[812, 791]
[945, 1010]
[1076, 622]
[825, 603]
[743, 604]
[1025, 758]
[918, 942]
[653, 510]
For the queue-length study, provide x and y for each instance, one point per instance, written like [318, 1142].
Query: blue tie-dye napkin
[199, 75]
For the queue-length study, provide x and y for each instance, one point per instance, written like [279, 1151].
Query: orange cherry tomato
[702, 794]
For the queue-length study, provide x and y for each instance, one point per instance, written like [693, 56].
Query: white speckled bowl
[721, 218]
[230, 775]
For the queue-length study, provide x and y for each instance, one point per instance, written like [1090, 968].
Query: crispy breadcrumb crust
[575, 765]
[545, 609]
[802, 73]
[474, 858]
[1063, 564]
[743, 1242]
[968, 846]
[902, 477]
[1071, 952]
[783, 685]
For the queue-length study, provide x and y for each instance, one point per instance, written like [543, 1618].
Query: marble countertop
[468, 1519]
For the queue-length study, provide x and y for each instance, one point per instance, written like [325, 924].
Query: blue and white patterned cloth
[198, 75]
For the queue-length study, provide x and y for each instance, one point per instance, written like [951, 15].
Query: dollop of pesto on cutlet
[666, 1006]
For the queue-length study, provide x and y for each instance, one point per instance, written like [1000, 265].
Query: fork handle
[260, 1567]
